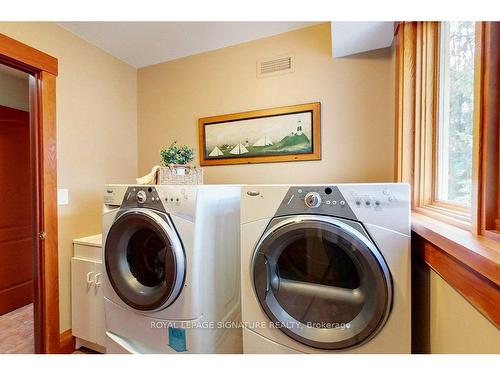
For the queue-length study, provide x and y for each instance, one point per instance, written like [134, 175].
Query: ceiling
[349, 38]
[146, 43]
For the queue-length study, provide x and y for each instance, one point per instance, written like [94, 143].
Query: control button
[386, 192]
[141, 196]
[299, 191]
[177, 199]
[334, 203]
[312, 200]
[392, 199]
[377, 203]
[367, 203]
[328, 202]
[328, 191]
[171, 199]
[358, 203]
[342, 203]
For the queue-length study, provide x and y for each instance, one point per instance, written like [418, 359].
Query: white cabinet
[87, 300]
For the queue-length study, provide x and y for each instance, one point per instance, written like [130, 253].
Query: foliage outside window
[456, 98]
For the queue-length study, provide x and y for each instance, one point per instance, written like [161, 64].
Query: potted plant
[175, 159]
[177, 155]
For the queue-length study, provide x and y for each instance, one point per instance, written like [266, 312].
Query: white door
[83, 299]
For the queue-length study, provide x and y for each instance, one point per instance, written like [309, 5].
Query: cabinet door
[99, 305]
[83, 299]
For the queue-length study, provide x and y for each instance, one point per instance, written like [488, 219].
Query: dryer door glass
[144, 260]
[323, 282]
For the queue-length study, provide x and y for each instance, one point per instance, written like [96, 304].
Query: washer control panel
[312, 199]
[342, 200]
[327, 200]
[142, 196]
[375, 200]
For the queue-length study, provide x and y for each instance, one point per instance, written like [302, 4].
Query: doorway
[29, 197]
[16, 215]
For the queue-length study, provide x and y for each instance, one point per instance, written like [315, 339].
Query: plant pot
[180, 174]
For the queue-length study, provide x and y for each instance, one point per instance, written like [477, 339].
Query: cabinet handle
[89, 277]
[97, 279]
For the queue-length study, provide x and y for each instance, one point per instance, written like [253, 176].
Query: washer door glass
[144, 260]
[322, 282]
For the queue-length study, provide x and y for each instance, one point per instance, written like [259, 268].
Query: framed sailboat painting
[281, 134]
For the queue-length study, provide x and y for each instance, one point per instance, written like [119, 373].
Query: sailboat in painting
[238, 150]
[216, 152]
[264, 141]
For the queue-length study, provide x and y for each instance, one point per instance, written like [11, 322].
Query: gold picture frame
[290, 133]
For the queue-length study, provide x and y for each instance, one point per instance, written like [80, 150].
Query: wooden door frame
[43, 71]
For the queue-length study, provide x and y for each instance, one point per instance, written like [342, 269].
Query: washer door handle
[268, 274]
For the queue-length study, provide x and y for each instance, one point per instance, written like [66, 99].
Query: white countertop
[95, 240]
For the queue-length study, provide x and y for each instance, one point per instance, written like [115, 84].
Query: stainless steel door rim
[310, 269]
[145, 260]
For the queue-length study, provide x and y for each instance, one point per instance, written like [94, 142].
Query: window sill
[479, 253]
[468, 263]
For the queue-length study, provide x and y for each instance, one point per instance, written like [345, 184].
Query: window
[448, 121]
[456, 99]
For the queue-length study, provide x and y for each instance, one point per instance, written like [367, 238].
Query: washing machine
[326, 268]
[172, 268]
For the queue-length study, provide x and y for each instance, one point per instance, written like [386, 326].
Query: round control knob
[312, 200]
[141, 196]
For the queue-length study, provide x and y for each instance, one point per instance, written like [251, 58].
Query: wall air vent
[274, 66]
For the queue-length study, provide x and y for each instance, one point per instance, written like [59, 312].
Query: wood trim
[477, 175]
[418, 117]
[476, 252]
[23, 57]
[487, 123]
[478, 290]
[395, 26]
[406, 39]
[42, 83]
[47, 144]
[315, 108]
[67, 342]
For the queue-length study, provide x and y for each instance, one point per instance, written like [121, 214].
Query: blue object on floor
[177, 339]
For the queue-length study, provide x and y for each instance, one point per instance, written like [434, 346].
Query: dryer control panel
[172, 199]
[324, 200]
[144, 197]
[381, 204]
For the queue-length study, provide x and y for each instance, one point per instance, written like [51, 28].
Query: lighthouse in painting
[299, 128]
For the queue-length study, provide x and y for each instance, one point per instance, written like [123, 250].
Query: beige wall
[14, 91]
[356, 95]
[455, 325]
[96, 132]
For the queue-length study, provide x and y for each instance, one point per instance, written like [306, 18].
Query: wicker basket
[180, 174]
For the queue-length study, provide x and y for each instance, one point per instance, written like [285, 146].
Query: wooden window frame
[417, 119]
[466, 255]
[43, 70]
[486, 159]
